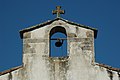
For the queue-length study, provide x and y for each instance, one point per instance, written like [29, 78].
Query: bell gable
[49, 22]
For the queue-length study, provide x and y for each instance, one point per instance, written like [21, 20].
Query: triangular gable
[50, 21]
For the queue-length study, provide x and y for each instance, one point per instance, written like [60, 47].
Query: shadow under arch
[58, 29]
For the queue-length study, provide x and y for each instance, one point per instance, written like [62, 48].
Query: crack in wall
[10, 76]
[119, 75]
[110, 74]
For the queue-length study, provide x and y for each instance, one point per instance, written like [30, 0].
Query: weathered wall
[93, 72]
[79, 65]
[12, 75]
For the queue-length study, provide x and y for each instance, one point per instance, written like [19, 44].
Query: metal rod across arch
[58, 39]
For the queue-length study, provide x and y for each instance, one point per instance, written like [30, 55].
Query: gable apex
[56, 19]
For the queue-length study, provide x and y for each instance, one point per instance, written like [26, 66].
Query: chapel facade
[59, 50]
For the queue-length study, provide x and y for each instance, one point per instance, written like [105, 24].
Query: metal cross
[58, 11]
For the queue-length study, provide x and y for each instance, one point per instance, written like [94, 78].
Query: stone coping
[108, 67]
[10, 70]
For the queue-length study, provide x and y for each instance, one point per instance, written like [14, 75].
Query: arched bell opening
[58, 42]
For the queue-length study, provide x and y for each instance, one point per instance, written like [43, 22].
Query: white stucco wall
[80, 65]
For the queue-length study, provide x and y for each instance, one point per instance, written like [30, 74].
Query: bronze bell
[58, 43]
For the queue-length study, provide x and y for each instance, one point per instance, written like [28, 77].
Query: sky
[60, 50]
[19, 14]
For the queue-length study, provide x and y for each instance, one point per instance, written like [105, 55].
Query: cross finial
[58, 11]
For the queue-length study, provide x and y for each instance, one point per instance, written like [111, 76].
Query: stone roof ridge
[50, 21]
[28, 28]
[75, 23]
[10, 70]
[108, 67]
